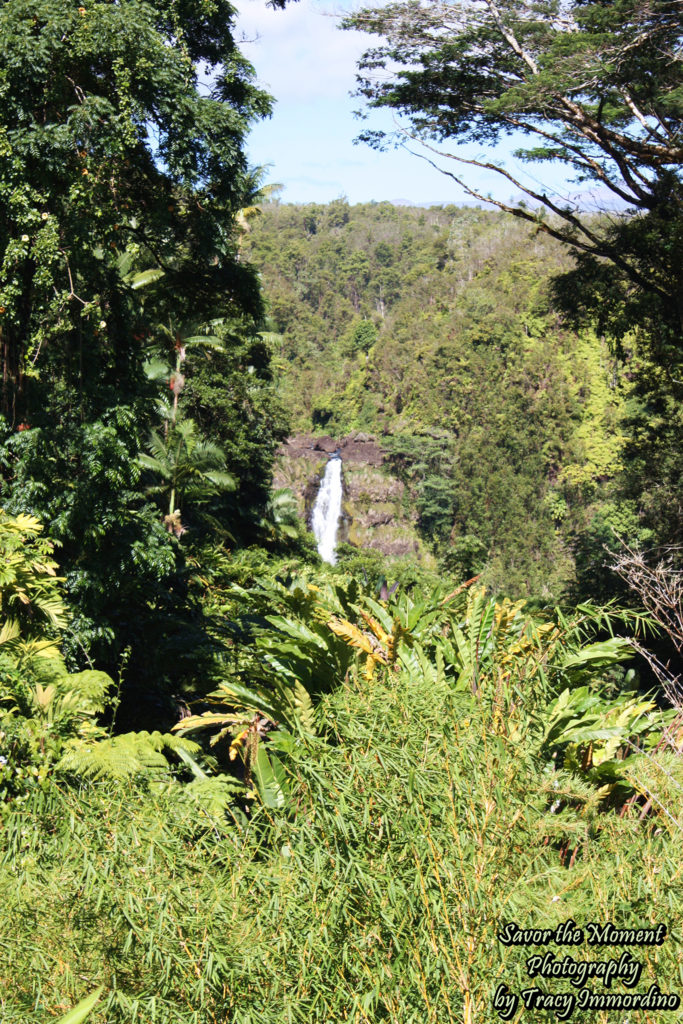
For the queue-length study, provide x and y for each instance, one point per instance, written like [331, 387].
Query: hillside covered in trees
[436, 330]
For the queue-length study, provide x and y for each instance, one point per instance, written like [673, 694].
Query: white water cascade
[327, 510]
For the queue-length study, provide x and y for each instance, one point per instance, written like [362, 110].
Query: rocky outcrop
[374, 510]
[355, 449]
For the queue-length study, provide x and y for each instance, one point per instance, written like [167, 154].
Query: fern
[30, 596]
[122, 757]
[214, 795]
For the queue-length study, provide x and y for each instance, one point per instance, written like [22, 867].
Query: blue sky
[308, 64]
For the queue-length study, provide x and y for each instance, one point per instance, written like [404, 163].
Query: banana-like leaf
[270, 779]
[418, 664]
[250, 698]
[297, 630]
[606, 652]
[145, 277]
[82, 1009]
[185, 756]
[380, 613]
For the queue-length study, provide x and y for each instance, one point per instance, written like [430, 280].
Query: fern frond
[215, 795]
[10, 631]
[224, 481]
[304, 707]
[122, 757]
[155, 465]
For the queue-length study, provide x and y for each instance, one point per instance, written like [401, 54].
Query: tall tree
[596, 86]
[111, 142]
[122, 127]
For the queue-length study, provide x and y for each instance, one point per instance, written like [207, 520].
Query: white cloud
[300, 53]
[308, 64]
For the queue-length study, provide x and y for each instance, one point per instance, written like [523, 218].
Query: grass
[418, 831]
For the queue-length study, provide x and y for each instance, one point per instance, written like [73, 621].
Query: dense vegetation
[594, 86]
[463, 765]
[526, 447]
[123, 302]
[235, 783]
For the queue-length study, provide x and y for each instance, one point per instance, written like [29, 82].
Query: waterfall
[327, 510]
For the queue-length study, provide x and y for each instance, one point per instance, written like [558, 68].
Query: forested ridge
[238, 783]
[437, 330]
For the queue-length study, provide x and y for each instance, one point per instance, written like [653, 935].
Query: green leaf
[607, 652]
[145, 277]
[82, 1010]
[270, 779]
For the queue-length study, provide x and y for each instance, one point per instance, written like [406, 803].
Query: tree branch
[583, 160]
[511, 39]
[594, 245]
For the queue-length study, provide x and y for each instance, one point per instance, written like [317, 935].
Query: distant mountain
[596, 200]
[432, 202]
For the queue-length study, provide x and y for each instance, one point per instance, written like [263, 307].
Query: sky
[308, 64]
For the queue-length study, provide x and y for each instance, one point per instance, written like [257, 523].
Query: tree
[257, 193]
[119, 167]
[110, 144]
[190, 468]
[595, 86]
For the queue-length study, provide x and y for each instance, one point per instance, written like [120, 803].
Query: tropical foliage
[464, 781]
[523, 447]
[462, 73]
[30, 600]
[237, 784]
[121, 185]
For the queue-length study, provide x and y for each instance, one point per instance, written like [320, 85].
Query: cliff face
[375, 512]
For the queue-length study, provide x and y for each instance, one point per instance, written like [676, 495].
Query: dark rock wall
[374, 510]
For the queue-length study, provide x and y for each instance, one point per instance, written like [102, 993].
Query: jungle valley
[239, 781]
